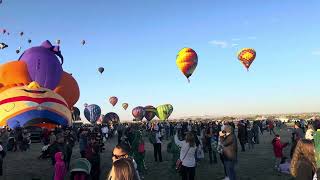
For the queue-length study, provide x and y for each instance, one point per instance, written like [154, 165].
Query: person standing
[242, 135]
[256, 131]
[296, 136]
[230, 157]
[187, 156]
[157, 147]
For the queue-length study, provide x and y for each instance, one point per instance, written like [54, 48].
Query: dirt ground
[254, 164]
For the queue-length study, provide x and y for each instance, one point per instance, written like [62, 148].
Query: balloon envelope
[164, 111]
[187, 61]
[113, 100]
[246, 56]
[111, 117]
[138, 112]
[101, 69]
[125, 106]
[150, 112]
[92, 112]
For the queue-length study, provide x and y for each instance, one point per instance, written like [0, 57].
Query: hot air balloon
[111, 117]
[164, 111]
[150, 112]
[246, 56]
[29, 41]
[58, 41]
[101, 69]
[187, 61]
[83, 42]
[21, 33]
[125, 106]
[3, 45]
[113, 100]
[138, 113]
[92, 113]
[75, 113]
[4, 31]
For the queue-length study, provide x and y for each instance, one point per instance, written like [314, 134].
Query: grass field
[254, 164]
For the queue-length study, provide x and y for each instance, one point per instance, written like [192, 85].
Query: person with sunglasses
[122, 150]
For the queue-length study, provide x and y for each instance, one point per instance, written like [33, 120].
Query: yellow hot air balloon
[187, 61]
[246, 56]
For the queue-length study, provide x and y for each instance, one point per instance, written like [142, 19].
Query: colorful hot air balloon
[125, 106]
[113, 100]
[164, 111]
[111, 117]
[187, 61]
[92, 113]
[246, 56]
[101, 69]
[138, 113]
[150, 112]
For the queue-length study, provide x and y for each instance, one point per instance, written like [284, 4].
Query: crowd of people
[188, 142]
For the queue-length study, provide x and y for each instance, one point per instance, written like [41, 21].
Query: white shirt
[186, 156]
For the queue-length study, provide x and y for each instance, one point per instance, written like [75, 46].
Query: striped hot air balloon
[246, 56]
[92, 112]
[150, 112]
[164, 111]
[187, 61]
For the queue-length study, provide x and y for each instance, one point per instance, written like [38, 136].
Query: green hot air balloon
[164, 111]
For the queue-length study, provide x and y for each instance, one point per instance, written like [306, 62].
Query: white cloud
[222, 44]
[234, 45]
[252, 37]
[316, 52]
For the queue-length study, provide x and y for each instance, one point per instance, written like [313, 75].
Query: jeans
[229, 165]
[188, 173]
[157, 151]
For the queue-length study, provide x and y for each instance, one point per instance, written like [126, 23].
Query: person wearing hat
[229, 151]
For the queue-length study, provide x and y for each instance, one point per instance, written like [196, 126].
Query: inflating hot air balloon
[164, 111]
[111, 117]
[113, 100]
[101, 69]
[187, 61]
[125, 106]
[150, 112]
[83, 42]
[246, 56]
[138, 113]
[92, 113]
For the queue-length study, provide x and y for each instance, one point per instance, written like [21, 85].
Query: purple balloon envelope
[43, 64]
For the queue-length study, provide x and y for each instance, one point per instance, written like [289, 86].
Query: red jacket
[277, 147]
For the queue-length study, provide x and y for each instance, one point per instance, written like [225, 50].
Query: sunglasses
[119, 156]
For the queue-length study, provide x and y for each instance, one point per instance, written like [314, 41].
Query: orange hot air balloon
[246, 56]
[187, 61]
[68, 88]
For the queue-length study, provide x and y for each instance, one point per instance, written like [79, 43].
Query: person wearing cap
[229, 151]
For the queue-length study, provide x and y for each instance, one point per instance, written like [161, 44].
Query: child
[277, 149]
[2, 155]
[60, 169]
[284, 166]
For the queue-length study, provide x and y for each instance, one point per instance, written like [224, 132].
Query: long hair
[190, 139]
[304, 151]
[123, 169]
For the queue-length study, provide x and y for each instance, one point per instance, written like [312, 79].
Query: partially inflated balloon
[246, 56]
[43, 64]
[150, 112]
[101, 69]
[113, 100]
[164, 111]
[92, 113]
[138, 112]
[125, 106]
[68, 88]
[187, 61]
[111, 117]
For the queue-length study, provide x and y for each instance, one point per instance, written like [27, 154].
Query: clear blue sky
[136, 41]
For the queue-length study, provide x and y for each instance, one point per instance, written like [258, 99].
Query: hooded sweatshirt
[60, 169]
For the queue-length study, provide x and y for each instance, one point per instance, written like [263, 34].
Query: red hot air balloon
[138, 113]
[150, 112]
[113, 100]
